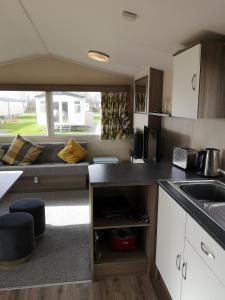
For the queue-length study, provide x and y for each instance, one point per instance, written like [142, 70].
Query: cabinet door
[200, 282]
[209, 250]
[170, 242]
[186, 72]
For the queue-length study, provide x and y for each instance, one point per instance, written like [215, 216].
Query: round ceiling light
[99, 56]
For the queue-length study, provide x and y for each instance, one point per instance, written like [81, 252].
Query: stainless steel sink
[211, 192]
[208, 195]
[217, 212]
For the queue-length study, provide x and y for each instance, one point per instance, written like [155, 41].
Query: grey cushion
[82, 168]
[27, 170]
[65, 169]
[50, 169]
[5, 146]
[2, 152]
[50, 152]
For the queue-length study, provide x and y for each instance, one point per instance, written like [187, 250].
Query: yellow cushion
[22, 152]
[72, 152]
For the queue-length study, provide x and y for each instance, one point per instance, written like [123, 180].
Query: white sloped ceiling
[18, 38]
[69, 28]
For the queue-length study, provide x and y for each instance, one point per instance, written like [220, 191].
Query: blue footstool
[36, 208]
[16, 237]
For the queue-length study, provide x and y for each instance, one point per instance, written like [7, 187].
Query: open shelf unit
[117, 222]
[159, 114]
[118, 256]
[138, 259]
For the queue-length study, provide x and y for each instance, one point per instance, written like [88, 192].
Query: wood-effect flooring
[127, 287]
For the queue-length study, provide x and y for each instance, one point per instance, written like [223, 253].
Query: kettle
[209, 162]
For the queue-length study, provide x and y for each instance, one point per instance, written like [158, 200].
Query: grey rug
[62, 254]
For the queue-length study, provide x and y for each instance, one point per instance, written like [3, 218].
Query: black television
[136, 146]
[151, 151]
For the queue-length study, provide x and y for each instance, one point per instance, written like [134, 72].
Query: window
[65, 113]
[23, 112]
[77, 112]
[56, 112]
[42, 107]
[76, 107]
[26, 112]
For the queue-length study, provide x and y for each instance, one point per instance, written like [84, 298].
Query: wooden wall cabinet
[155, 98]
[187, 271]
[155, 90]
[150, 115]
[198, 81]
[141, 89]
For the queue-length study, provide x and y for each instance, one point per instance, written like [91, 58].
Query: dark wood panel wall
[155, 90]
[155, 97]
[212, 81]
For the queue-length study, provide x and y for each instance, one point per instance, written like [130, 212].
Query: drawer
[210, 251]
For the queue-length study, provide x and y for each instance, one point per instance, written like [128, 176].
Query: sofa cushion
[63, 169]
[2, 152]
[5, 146]
[49, 154]
[48, 164]
[28, 171]
[51, 150]
[22, 152]
[82, 168]
[73, 152]
[50, 169]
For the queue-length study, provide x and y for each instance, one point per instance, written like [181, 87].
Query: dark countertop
[211, 227]
[126, 174]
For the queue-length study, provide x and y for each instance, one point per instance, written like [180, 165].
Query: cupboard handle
[178, 261]
[206, 251]
[193, 82]
[184, 270]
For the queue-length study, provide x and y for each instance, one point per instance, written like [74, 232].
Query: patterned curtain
[115, 117]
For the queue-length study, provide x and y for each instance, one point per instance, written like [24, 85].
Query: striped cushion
[22, 152]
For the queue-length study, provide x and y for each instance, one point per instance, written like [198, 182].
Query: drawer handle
[184, 270]
[193, 82]
[206, 251]
[178, 261]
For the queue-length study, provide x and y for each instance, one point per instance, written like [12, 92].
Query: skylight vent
[129, 16]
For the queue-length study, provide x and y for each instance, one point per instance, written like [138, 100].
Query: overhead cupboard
[198, 81]
[191, 263]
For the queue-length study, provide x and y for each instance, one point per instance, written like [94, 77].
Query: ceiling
[69, 28]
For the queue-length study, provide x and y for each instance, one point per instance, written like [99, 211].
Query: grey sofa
[49, 166]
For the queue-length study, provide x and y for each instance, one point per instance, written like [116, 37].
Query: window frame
[48, 89]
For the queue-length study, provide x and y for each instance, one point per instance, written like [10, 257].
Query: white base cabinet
[170, 242]
[184, 271]
[200, 283]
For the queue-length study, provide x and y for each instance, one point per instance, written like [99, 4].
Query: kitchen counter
[210, 226]
[126, 174]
